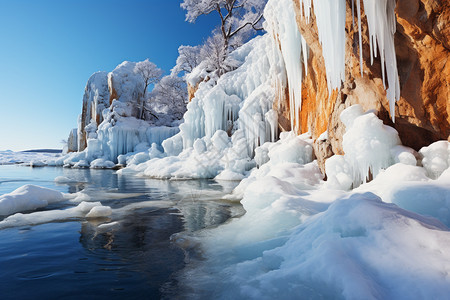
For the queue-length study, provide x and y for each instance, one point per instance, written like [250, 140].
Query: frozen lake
[73, 259]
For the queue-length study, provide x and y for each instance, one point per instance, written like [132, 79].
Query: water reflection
[127, 255]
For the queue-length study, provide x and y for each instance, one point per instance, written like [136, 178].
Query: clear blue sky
[49, 49]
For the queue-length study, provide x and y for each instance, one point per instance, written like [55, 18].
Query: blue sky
[49, 49]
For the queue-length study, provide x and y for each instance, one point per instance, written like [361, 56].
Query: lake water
[73, 259]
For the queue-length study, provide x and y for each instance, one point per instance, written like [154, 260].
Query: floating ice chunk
[62, 179]
[99, 212]
[42, 217]
[28, 197]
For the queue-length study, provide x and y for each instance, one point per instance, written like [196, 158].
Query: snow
[11, 157]
[436, 158]
[369, 147]
[387, 239]
[28, 197]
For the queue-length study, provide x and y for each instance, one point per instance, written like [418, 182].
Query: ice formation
[42, 217]
[369, 146]
[238, 104]
[28, 197]
[330, 18]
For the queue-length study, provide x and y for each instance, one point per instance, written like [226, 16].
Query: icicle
[358, 8]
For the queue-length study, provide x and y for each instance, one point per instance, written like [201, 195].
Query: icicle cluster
[282, 24]
[330, 19]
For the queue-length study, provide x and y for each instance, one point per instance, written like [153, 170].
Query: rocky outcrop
[422, 114]
[102, 88]
[95, 100]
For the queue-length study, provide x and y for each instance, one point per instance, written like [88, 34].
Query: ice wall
[241, 99]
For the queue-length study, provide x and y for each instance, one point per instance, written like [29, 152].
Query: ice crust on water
[28, 197]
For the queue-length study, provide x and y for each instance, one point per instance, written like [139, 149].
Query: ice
[282, 25]
[63, 179]
[369, 146]
[239, 105]
[298, 239]
[330, 19]
[11, 157]
[42, 217]
[229, 175]
[28, 197]
[95, 101]
[99, 212]
[436, 158]
[410, 188]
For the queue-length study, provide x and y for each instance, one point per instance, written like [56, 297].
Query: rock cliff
[422, 114]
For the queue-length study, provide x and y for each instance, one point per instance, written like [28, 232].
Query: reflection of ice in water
[132, 247]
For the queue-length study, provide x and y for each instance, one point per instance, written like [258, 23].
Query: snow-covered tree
[215, 55]
[188, 58]
[170, 92]
[236, 16]
[150, 74]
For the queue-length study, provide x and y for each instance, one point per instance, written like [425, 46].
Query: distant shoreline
[44, 151]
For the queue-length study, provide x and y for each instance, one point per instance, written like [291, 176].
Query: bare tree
[236, 16]
[150, 74]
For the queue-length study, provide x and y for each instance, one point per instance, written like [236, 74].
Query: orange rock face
[422, 44]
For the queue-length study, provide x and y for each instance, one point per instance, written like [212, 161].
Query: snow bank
[359, 248]
[10, 157]
[28, 197]
[410, 188]
[297, 238]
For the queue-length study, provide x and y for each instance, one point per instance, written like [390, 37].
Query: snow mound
[28, 197]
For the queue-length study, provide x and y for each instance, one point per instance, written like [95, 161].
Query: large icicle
[283, 25]
[330, 18]
[382, 26]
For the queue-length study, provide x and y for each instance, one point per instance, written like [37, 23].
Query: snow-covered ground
[37, 158]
